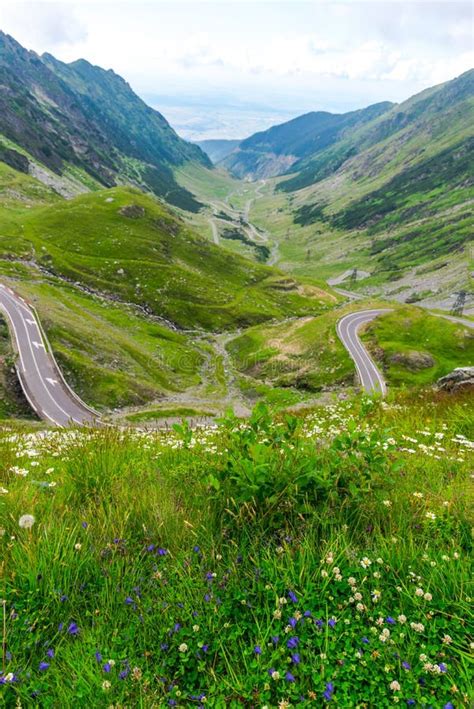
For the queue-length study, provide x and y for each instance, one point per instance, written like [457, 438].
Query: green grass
[163, 567]
[156, 414]
[153, 260]
[399, 338]
[109, 354]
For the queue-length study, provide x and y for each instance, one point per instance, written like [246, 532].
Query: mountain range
[86, 125]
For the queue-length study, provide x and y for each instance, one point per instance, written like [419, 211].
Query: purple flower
[442, 667]
[271, 671]
[85, 525]
[196, 549]
[292, 642]
[60, 626]
[257, 650]
[292, 597]
[331, 622]
[177, 627]
[209, 576]
[98, 657]
[307, 614]
[73, 629]
[107, 667]
[449, 705]
[162, 552]
[365, 640]
[292, 622]
[390, 620]
[205, 648]
[318, 622]
[129, 601]
[164, 646]
[295, 658]
[207, 597]
[406, 665]
[289, 677]
[411, 702]
[50, 652]
[123, 674]
[150, 547]
[275, 639]
[43, 666]
[328, 692]
[63, 598]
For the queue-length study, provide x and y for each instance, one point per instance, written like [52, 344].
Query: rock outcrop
[461, 378]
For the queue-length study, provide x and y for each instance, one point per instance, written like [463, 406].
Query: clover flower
[26, 521]
[395, 686]
[183, 647]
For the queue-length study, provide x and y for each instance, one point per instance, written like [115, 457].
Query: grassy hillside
[412, 347]
[109, 354]
[415, 348]
[314, 561]
[124, 243]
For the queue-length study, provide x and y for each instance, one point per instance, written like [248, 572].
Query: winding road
[40, 377]
[347, 329]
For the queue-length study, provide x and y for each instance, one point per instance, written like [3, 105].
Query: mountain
[274, 151]
[218, 149]
[392, 197]
[84, 123]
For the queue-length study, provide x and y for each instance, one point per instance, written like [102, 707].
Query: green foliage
[129, 589]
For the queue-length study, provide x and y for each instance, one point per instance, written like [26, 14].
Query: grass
[169, 270]
[272, 563]
[111, 355]
[416, 348]
[156, 414]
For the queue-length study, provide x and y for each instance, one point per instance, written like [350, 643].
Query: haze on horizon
[227, 69]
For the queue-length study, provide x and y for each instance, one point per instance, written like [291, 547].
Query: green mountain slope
[81, 116]
[275, 151]
[123, 243]
[218, 149]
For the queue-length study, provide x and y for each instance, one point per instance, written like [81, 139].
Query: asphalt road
[347, 328]
[39, 375]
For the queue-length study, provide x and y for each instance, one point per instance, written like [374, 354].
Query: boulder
[461, 378]
[413, 361]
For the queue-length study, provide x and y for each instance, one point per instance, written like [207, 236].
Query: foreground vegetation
[286, 561]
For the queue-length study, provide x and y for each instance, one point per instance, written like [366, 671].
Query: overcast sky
[307, 55]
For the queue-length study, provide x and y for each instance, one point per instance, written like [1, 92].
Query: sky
[220, 69]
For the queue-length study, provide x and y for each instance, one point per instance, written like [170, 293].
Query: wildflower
[107, 667]
[423, 657]
[275, 675]
[406, 665]
[26, 521]
[376, 595]
[98, 657]
[332, 622]
[447, 639]
[136, 674]
[365, 562]
[106, 685]
[275, 639]
[419, 592]
[183, 647]
[358, 596]
[324, 573]
[295, 658]
[418, 495]
[77, 546]
[430, 515]
[277, 613]
[289, 677]
[282, 601]
[387, 503]
[292, 597]
[402, 619]
[395, 686]
[428, 597]
[43, 666]
[328, 692]
[417, 627]
[257, 650]
[390, 620]
[196, 628]
[73, 629]
[292, 642]
[351, 581]
[360, 607]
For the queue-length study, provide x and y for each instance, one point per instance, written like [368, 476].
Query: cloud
[43, 26]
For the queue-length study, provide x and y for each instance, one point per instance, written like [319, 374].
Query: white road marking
[51, 381]
[38, 345]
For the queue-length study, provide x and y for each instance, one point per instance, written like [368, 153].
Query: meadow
[285, 560]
